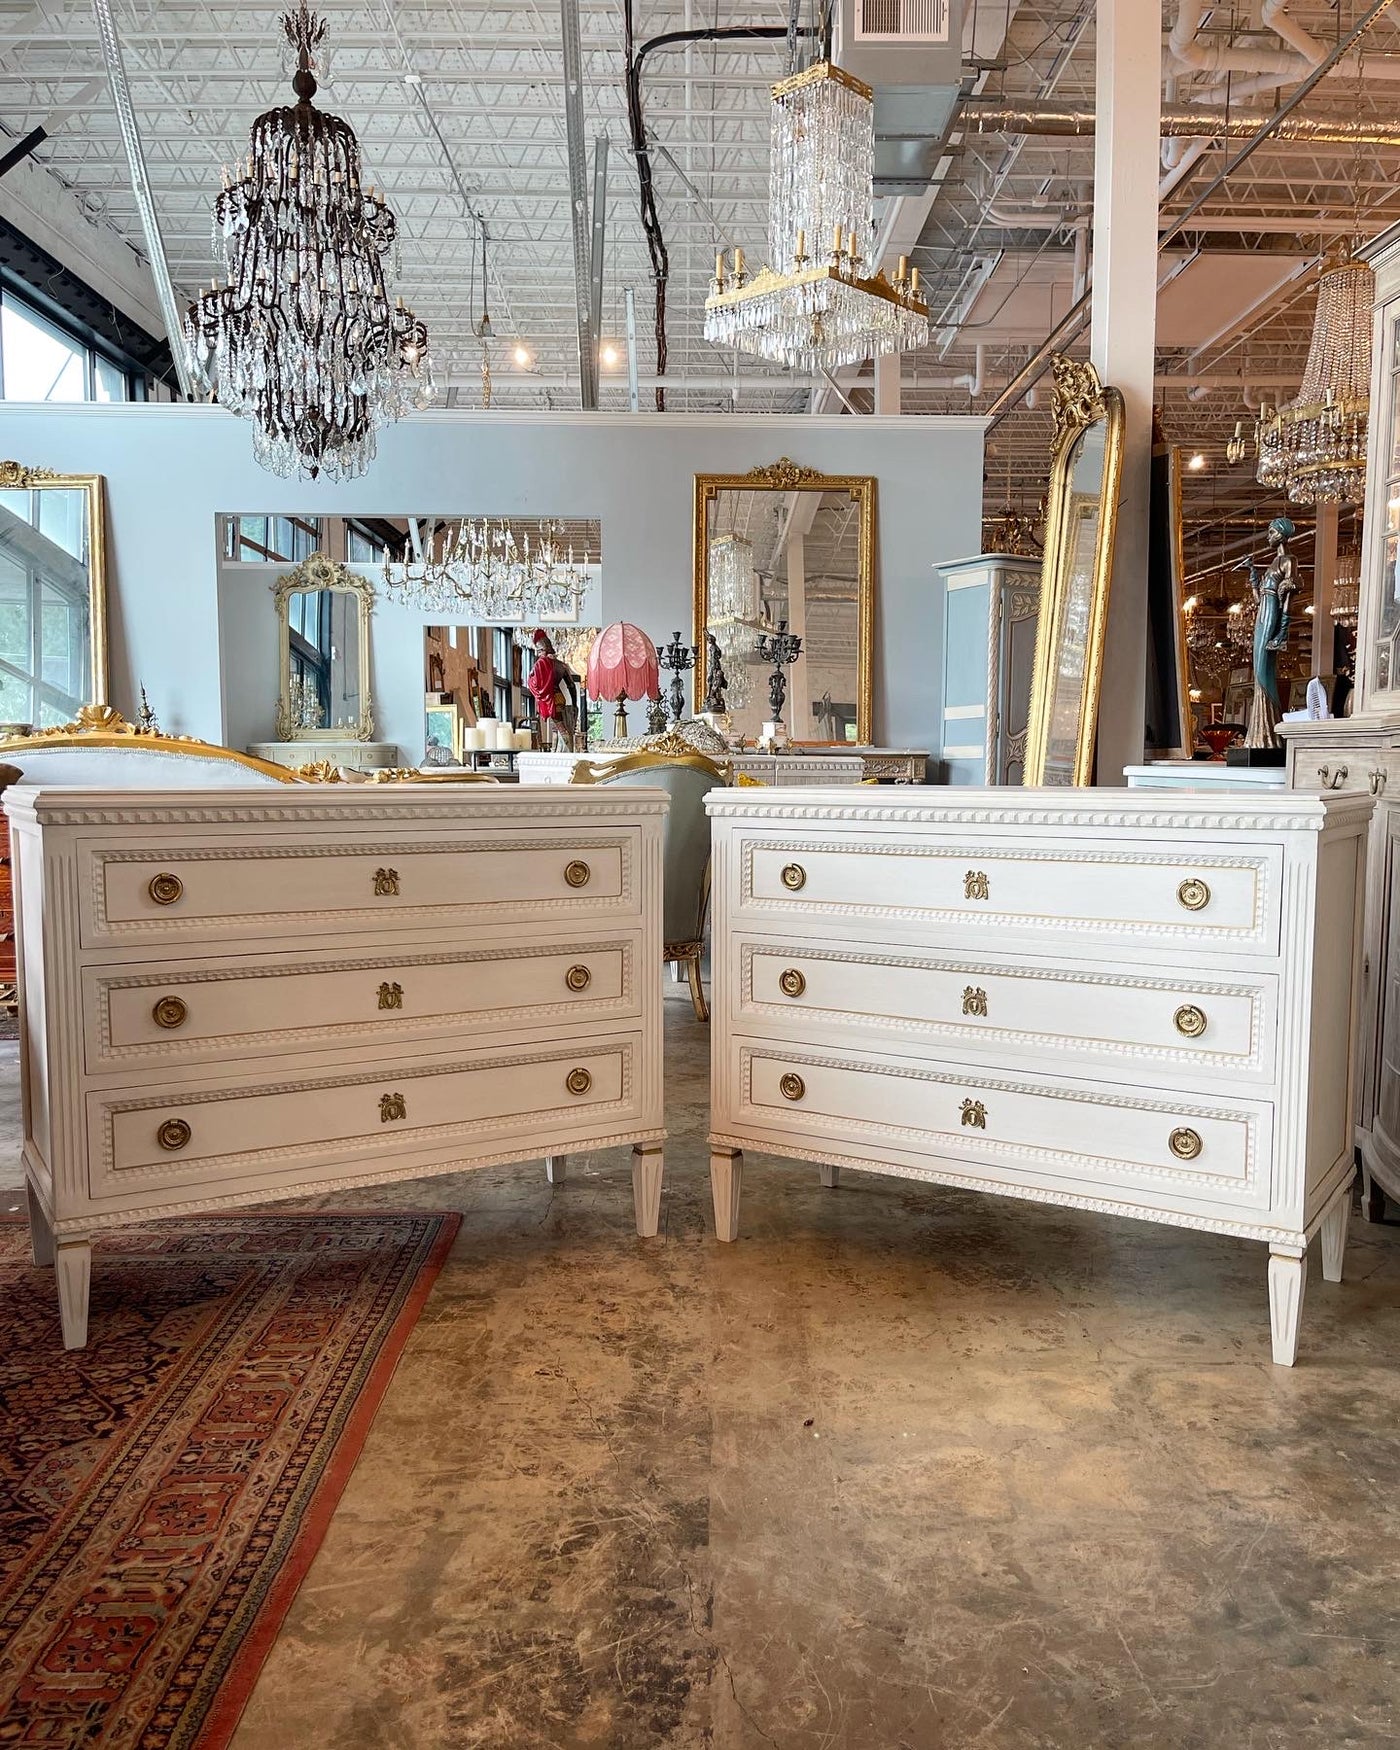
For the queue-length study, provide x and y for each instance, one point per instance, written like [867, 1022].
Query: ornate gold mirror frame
[15, 477]
[1080, 525]
[785, 475]
[316, 573]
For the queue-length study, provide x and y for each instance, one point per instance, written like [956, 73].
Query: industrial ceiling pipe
[1183, 122]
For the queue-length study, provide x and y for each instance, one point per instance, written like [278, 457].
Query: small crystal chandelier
[482, 572]
[302, 337]
[815, 308]
[736, 613]
[1316, 449]
[1346, 588]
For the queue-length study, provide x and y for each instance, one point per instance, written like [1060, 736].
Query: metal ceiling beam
[578, 203]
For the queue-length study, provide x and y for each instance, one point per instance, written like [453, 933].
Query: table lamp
[623, 665]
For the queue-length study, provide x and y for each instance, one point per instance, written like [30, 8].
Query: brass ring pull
[169, 1012]
[1185, 1143]
[1377, 781]
[792, 1087]
[1194, 894]
[1332, 780]
[794, 877]
[578, 977]
[165, 888]
[173, 1134]
[1190, 1021]
[577, 873]
[578, 1081]
[791, 982]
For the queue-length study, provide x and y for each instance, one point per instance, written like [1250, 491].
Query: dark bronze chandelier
[302, 337]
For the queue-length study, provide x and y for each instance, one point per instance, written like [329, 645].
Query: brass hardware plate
[165, 888]
[1190, 1021]
[578, 977]
[974, 1114]
[391, 996]
[792, 1086]
[791, 982]
[578, 1081]
[976, 885]
[1193, 894]
[577, 873]
[392, 1107]
[793, 877]
[169, 1012]
[173, 1134]
[386, 884]
[975, 1001]
[1185, 1143]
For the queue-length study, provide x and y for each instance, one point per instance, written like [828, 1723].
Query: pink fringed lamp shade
[623, 665]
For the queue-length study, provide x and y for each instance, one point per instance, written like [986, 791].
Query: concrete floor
[902, 1469]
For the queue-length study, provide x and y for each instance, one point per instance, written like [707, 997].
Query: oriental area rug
[162, 1492]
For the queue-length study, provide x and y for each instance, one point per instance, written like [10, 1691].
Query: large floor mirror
[1085, 479]
[786, 546]
[53, 595]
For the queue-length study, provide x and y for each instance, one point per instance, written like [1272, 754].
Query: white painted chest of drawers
[246, 994]
[1137, 1002]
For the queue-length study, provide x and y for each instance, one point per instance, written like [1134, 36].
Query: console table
[240, 994]
[801, 766]
[1141, 1002]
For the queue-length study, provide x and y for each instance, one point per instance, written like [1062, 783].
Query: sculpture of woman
[1272, 590]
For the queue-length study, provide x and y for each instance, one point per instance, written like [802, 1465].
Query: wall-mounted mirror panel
[53, 595]
[788, 544]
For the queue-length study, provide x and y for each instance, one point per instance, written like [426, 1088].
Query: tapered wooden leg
[831, 1175]
[1288, 1278]
[648, 1167]
[726, 1181]
[697, 990]
[1333, 1234]
[73, 1269]
[40, 1233]
[554, 1168]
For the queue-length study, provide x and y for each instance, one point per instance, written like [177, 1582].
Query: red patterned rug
[162, 1492]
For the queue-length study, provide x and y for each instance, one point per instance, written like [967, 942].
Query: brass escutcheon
[793, 877]
[169, 1012]
[578, 977]
[1185, 1143]
[386, 884]
[975, 1000]
[391, 995]
[392, 1107]
[1190, 1021]
[577, 873]
[165, 889]
[976, 885]
[1194, 894]
[578, 1081]
[791, 982]
[974, 1114]
[792, 1086]
[173, 1134]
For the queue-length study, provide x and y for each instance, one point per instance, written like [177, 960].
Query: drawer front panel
[201, 1138]
[1106, 888]
[136, 1014]
[223, 890]
[1162, 1026]
[1012, 1128]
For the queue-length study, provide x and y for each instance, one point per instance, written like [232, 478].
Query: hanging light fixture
[1315, 450]
[735, 613]
[302, 338]
[489, 570]
[1346, 587]
[816, 306]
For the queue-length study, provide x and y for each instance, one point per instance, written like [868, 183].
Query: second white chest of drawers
[1137, 1002]
[229, 996]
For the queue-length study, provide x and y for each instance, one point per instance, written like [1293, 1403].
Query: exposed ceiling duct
[910, 53]
[1183, 122]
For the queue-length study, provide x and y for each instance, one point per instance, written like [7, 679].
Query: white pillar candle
[524, 740]
[505, 737]
[472, 741]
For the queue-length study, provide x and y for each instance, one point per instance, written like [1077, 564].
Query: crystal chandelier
[735, 616]
[815, 307]
[1316, 449]
[484, 572]
[301, 337]
[1346, 588]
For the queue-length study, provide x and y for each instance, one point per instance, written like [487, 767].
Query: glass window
[40, 362]
[109, 381]
[362, 548]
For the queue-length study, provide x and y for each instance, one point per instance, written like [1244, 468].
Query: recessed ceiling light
[522, 356]
[1197, 462]
[609, 354]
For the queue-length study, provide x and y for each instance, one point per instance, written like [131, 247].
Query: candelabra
[679, 659]
[782, 648]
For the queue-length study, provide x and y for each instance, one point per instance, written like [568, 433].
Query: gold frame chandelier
[816, 307]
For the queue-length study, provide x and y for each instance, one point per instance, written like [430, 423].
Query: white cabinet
[991, 611]
[231, 996]
[1137, 1002]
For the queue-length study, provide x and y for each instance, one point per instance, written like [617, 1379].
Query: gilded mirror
[1086, 470]
[323, 618]
[786, 543]
[53, 595]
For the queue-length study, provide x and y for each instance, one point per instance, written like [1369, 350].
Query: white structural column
[1123, 334]
[887, 382]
